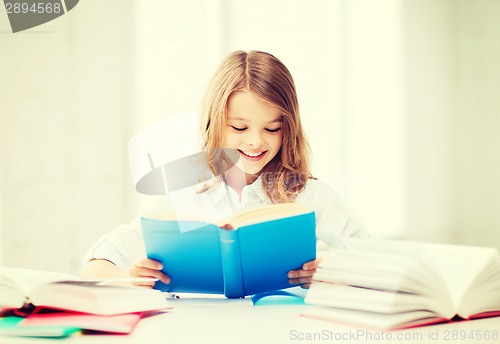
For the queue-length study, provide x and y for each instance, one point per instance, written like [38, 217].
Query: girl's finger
[301, 273]
[302, 281]
[144, 284]
[149, 263]
[145, 272]
[312, 265]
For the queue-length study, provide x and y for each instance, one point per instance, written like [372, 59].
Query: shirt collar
[219, 192]
[258, 188]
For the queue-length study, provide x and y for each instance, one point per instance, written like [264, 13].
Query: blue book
[252, 254]
[9, 326]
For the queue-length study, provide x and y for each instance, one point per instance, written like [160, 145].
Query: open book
[35, 288]
[394, 284]
[252, 254]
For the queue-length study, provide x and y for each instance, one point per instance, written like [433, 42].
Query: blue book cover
[253, 257]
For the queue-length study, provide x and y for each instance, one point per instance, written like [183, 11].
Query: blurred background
[400, 100]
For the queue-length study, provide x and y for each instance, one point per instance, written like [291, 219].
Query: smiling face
[250, 97]
[254, 128]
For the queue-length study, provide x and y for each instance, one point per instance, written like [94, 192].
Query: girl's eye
[238, 129]
[273, 130]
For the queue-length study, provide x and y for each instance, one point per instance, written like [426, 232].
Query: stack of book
[47, 304]
[393, 284]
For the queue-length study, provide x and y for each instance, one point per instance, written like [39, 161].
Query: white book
[36, 288]
[396, 284]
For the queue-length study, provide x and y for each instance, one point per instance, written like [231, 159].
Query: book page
[370, 300]
[459, 266]
[26, 280]
[251, 216]
[484, 294]
[171, 216]
[371, 319]
[385, 271]
[394, 261]
[265, 213]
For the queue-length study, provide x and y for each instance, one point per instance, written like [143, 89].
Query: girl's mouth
[252, 156]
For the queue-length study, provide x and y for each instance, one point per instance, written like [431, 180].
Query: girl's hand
[145, 267]
[304, 276]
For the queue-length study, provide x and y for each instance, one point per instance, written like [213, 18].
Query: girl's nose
[255, 140]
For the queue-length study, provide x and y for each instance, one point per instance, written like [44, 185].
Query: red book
[119, 324]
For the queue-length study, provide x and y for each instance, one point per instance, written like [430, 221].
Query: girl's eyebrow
[277, 120]
[236, 119]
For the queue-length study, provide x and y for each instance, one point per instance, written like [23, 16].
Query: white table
[238, 321]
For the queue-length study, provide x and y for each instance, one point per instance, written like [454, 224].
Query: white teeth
[252, 154]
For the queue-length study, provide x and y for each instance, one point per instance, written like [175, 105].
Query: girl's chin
[249, 170]
[252, 169]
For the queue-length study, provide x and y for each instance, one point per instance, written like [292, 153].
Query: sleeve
[125, 243]
[334, 223]
[122, 246]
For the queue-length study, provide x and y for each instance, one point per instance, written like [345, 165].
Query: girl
[250, 106]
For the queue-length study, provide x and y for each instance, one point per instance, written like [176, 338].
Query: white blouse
[125, 244]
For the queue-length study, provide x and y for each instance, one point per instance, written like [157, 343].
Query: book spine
[231, 263]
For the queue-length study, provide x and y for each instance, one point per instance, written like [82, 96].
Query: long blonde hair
[268, 78]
